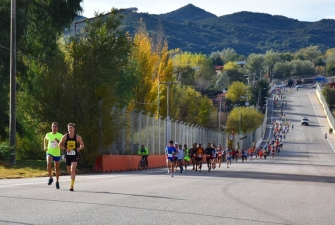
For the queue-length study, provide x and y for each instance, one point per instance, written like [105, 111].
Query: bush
[5, 151]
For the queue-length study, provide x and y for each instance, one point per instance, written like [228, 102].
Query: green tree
[39, 24]
[234, 72]
[85, 92]
[222, 81]
[311, 53]
[329, 96]
[255, 63]
[245, 118]
[282, 69]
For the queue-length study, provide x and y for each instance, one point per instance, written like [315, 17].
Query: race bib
[199, 155]
[72, 152]
[170, 155]
[54, 144]
[208, 155]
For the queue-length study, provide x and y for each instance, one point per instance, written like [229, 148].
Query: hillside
[193, 29]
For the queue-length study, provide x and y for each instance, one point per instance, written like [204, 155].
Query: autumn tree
[238, 92]
[245, 118]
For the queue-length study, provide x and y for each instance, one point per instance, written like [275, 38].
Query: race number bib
[199, 155]
[170, 155]
[72, 152]
[54, 144]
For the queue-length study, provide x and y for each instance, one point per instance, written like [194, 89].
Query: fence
[329, 114]
[151, 131]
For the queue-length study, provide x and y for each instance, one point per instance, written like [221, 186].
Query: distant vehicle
[314, 85]
[304, 121]
[307, 80]
[299, 86]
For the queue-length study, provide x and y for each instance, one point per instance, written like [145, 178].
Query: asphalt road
[295, 187]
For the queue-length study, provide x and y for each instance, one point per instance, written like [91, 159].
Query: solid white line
[61, 180]
[318, 119]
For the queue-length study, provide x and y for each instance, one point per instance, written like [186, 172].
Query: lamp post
[12, 114]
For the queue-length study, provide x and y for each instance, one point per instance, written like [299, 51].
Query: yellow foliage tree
[238, 92]
[245, 118]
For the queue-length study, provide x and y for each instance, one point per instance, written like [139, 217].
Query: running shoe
[171, 174]
[50, 181]
[57, 185]
[168, 171]
[71, 189]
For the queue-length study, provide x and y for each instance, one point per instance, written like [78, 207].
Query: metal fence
[329, 114]
[151, 131]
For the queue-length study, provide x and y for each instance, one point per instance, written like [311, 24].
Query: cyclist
[170, 152]
[143, 151]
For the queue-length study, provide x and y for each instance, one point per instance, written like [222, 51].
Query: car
[314, 86]
[304, 121]
[299, 86]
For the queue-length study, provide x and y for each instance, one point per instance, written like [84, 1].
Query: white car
[304, 121]
[299, 86]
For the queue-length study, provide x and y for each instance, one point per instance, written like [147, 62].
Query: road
[295, 187]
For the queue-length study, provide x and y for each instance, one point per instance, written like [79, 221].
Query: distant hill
[193, 29]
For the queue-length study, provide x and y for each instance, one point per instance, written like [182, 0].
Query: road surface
[295, 187]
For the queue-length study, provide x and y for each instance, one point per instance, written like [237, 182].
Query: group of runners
[70, 143]
[179, 156]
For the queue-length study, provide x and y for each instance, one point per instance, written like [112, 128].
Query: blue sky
[303, 10]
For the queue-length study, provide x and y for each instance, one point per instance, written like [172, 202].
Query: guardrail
[330, 117]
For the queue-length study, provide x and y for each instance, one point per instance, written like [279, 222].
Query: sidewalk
[322, 119]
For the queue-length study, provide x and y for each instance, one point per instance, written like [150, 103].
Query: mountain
[188, 13]
[193, 29]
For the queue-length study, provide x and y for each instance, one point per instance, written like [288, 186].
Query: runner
[229, 156]
[176, 157]
[72, 144]
[200, 153]
[219, 152]
[265, 153]
[236, 154]
[194, 150]
[180, 155]
[51, 141]
[209, 155]
[214, 158]
[170, 152]
[186, 157]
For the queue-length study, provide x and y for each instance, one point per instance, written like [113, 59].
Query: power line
[32, 57]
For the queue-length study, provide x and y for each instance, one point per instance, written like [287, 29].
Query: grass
[30, 168]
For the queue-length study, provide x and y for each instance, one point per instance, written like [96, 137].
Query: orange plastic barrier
[115, 163]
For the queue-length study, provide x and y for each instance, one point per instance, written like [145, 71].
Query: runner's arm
[81, 143]
[61, 143]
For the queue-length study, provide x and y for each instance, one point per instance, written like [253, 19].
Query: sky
[302, 10]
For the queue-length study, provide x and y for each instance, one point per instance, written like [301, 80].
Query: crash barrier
[330, 117]
[117, 163]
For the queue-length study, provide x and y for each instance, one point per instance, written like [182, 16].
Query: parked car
[304, 121]
[299, 86]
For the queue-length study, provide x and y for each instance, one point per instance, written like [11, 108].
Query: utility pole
[220, 116]
[12, 116]
[168, 125]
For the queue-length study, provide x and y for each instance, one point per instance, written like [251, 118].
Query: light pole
[12, 114]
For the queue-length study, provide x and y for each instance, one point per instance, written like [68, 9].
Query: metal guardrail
[322, 99]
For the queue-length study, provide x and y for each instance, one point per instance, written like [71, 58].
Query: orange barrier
[115, 163]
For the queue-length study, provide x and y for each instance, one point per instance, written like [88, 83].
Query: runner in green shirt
[51, 141]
